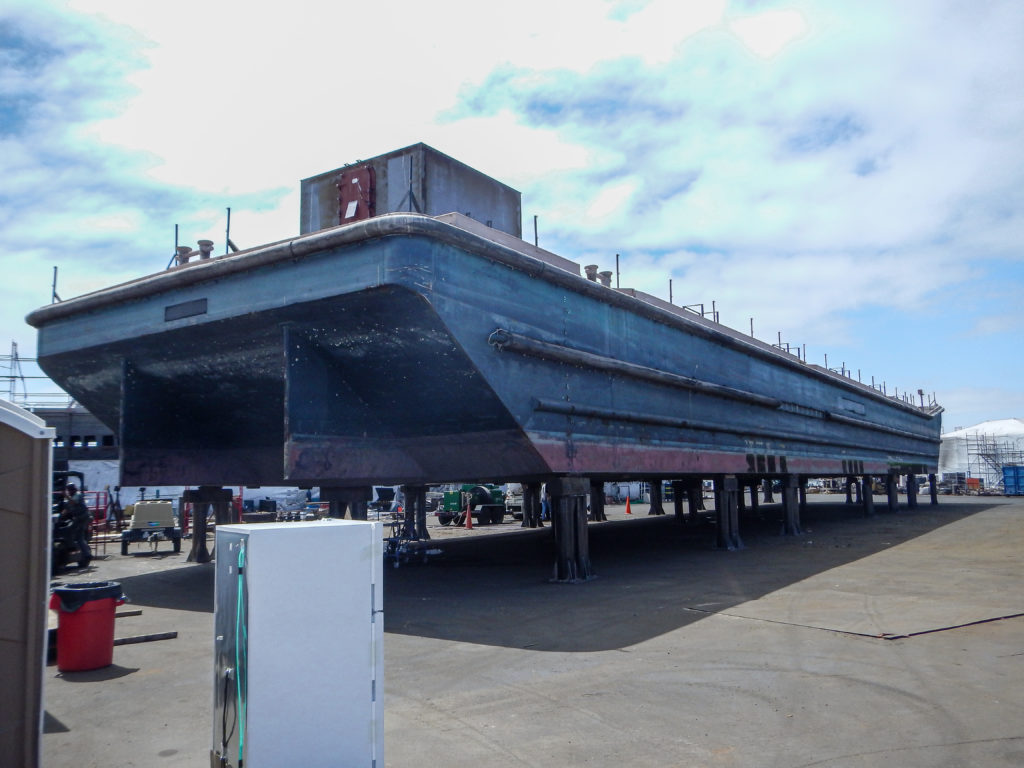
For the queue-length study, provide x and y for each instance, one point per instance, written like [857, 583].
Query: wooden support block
[145, 638]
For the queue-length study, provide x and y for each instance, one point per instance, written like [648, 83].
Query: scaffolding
[988, 454]
[25, 384]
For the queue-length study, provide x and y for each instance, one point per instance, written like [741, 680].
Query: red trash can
[85, 624]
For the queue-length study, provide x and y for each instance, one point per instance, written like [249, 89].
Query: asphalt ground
[895, 640]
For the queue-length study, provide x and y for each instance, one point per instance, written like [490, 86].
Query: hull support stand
[572, 544]
[790, 506]
[727, 511]
[678, 489]
[657, 505]
[414, 527]
[531, 506]
[890, 492]
[694, 499]
[201, 499]
[597, 501]
[867, 496]
[352, 499]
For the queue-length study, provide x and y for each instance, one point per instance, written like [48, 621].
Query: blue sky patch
[825, 132]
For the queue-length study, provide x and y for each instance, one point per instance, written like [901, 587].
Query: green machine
[485, 502]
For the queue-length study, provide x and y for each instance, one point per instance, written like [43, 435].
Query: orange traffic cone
[628, 511]
[469, 517]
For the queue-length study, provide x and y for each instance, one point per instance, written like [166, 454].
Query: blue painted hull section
[407, 350]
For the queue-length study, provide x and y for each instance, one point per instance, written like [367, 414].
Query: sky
[848, 175]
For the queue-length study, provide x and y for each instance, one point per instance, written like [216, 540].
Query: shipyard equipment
[298, 649]
[153, 522]
[486, 503]
[1013, 480]
[514, 500]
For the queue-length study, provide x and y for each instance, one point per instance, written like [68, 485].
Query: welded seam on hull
[635, 417]
[502, 339]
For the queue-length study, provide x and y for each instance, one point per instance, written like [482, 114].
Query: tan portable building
[26, 450]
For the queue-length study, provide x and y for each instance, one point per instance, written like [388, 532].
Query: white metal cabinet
[298, 645]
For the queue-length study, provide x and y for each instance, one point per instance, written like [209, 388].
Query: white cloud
[1008, 323]
[800, 162]
[766, 34]
[610, 201]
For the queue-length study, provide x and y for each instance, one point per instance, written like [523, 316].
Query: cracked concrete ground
[891, 640]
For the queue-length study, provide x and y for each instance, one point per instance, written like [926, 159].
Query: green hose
[241, 637]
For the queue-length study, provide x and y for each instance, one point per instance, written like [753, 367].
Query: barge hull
[405, 349]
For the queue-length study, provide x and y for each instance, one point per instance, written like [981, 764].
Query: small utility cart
[153, 521]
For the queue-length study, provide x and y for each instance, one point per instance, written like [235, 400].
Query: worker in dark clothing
[78, 519]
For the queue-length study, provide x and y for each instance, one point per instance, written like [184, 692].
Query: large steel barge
[417, 349]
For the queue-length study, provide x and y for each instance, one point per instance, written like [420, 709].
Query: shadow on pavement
[186, 588]
[52, 725]
[111, 672]
[653, 576]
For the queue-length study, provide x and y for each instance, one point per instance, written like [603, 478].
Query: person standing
[79, 515]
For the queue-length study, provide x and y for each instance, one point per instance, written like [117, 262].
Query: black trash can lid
[74, 596]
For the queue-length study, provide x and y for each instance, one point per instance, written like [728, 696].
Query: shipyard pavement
[883, 641]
